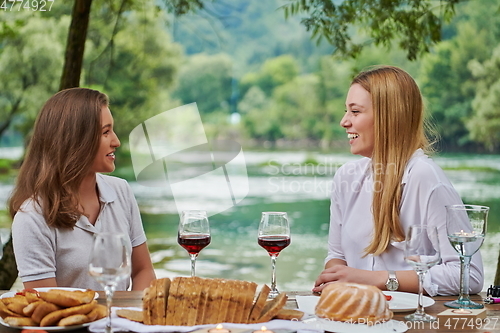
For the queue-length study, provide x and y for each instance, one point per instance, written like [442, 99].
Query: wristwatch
[392, 283]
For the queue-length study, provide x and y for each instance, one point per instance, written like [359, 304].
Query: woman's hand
[342, 273]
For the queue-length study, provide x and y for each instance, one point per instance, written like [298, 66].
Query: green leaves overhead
[414, 24]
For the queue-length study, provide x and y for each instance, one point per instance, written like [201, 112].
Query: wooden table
[491, 324]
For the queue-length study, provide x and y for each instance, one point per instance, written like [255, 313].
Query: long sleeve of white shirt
[426, 192]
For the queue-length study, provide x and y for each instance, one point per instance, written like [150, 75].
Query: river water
[285, 181]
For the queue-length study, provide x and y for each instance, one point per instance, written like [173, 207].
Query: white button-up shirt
[426, 192]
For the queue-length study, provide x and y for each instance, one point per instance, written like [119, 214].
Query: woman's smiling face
[358, 121]
[104, 160]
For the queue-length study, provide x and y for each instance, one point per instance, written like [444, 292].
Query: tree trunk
[75, 45]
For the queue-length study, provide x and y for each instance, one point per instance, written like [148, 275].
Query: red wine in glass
[193, 233]
[274, 244]
[194, 243]
[274, 235]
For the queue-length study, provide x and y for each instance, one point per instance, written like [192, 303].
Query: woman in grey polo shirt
[61, 199]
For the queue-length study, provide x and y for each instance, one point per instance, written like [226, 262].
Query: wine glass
[274, 236]
[110, 263]
[466, 227]
[194, 233]
[422, 252]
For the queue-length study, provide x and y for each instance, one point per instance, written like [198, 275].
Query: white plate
[13, 293]
[47, 328]
[403, 302]
[400, 302]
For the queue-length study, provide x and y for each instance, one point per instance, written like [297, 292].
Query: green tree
[414, 25]
[484, 125]
[206, 80]
[139, 68]
[446, 81]
[77, 33]
[30, 67]
[273, 73]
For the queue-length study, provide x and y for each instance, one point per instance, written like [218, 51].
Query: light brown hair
[399, 130]
[60, 154]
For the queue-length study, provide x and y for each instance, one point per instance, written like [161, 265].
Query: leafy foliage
[416, 24]
[484, 126]
[31, 60]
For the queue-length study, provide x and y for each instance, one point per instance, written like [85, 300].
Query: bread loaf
[352, 302]
[197, 301]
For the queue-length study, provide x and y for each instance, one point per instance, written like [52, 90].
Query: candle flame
[219, 327]
[263, 328]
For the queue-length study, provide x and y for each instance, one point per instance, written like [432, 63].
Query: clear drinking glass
[466, 228]
[274, 236]
[422, 252]
[110, 262]
[194, 233]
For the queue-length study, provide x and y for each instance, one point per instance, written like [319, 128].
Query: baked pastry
[353, 302]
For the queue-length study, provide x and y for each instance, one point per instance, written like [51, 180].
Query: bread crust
[53, 318]
[272, 308]
[67, 298]
[259, 303]
[76, 319]
[133, 315]
[289, 314]
[19, 321]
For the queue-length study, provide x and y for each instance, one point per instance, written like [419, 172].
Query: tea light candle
[219, 329]
[263, 329]
[461, 311]
[463, 234]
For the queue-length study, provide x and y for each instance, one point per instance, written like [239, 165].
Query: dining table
[490, 324]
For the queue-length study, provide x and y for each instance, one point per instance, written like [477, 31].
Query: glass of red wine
[274, 236]
[194, 233]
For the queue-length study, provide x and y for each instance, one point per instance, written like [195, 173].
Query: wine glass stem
[109, 290]
[193, 262]
[420, 306]
[464, 279]
[273, 275]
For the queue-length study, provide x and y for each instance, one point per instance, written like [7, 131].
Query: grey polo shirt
[45, 252]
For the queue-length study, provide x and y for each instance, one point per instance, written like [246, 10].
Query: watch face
[392, 285]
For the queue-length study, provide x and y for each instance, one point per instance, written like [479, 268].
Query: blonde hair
[399, 130]
[60, 154]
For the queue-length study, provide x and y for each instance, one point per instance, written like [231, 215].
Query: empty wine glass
[274, 236]
[194, 233]
[110, 263]
[466, 227]
[422, 252]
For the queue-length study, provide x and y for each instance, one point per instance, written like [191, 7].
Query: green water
[234, 252]
[281, 181]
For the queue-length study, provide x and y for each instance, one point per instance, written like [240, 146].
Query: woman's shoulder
[424, 168]
[356, 167]
[111, 187]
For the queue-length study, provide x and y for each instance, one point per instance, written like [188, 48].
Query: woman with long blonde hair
[62, 198]
[375, 199]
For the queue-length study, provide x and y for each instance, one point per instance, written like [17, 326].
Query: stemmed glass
[274, 236]
[466, 227]
[422, 252]
[110, 262]
[194, 233]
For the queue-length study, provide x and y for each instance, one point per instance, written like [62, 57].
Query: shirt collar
[106, 193]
